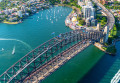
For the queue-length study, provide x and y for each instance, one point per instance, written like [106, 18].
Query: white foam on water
[116, 78]
[7, 39]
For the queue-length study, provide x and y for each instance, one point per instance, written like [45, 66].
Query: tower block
[106, 31]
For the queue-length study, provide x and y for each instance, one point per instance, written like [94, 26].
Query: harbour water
[37, 29]
[101, 70]
[76, 68]
[34, 31]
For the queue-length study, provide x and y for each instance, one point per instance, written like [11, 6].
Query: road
[110, 17]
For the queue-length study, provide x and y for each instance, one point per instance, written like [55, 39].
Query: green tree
[81, 22]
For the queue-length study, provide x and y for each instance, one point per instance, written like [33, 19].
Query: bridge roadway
[55, 63]
[41, 55]
[110, 17]
[35, 59]
[61, 58]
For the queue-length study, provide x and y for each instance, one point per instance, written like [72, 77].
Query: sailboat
[13, 52]
[2, 49]
[52, 22]
[47, 18]
[56, 20]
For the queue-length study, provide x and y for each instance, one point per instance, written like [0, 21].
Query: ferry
[13, 52]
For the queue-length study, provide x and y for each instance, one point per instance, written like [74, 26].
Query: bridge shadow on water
[101, 69]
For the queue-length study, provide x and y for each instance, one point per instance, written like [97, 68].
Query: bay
[26, 36]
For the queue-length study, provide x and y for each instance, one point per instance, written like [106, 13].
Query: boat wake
[7, 39]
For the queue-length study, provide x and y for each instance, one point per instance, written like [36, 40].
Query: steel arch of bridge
[43, 53]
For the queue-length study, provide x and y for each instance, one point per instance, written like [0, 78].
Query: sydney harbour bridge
[44, 57]
[49, 56]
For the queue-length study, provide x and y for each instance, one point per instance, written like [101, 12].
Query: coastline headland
[73, 25]
[72, 22]
[21, 12]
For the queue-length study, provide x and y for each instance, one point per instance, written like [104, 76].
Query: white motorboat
[13, 52]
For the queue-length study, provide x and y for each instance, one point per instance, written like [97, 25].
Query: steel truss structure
[44, 53]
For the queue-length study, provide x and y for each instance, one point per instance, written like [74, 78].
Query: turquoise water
[37, 29]
[34, 31]
[104, 70]
[76, 68]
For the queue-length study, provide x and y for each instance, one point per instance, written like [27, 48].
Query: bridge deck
[55, 63]
[44, 53]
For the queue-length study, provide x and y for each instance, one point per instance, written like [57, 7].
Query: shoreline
[7, 22]
[98, 45]
[17, 22]
[73, 24]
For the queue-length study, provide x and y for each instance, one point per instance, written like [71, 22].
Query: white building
[19, 13]
[88, 10]
[81, 2]
[106, 31]
[89, 14]
[23, 8]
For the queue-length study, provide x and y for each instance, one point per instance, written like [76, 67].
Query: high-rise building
[89, 13]
[88, 10]
[88, 21]
[98, 26]
[81, 2]
[19, 13]
[106, 31]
